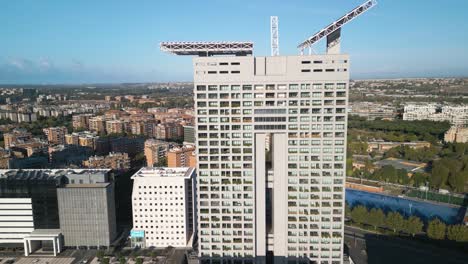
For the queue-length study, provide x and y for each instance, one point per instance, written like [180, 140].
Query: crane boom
[274, 36]
[332, 31]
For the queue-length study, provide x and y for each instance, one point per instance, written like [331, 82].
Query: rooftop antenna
[274, 36]
[333, 31]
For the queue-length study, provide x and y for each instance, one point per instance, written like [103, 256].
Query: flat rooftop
[87, 185]
[200, 48]
[46, 174]
[184, 172]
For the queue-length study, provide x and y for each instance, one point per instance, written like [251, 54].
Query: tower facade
[271, 150]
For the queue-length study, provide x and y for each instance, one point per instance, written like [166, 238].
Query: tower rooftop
[203, 48]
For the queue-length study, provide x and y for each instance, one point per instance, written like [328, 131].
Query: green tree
[439, 175]
[122, 260]
[139, 261]
[100, 254]
[389, 174]
[376, 218]
[395, 221]
[436, 229]
[105, 261]
[359, 214]
[134, 255]
[162, 162]
[457, 233]
[413, 225]
[347, 210]
[153, 254]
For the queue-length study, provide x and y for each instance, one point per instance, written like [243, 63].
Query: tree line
[412, 225]
[447, 167]
[422, 129]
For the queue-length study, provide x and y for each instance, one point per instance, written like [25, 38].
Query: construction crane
[333, 31]
[274, 36]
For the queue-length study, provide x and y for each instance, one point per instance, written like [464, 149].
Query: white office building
[16, 219]
[163, 201]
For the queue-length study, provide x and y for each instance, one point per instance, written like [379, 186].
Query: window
[305, 62]
[305, 70]
[235, 63]
[234, 72]
[211, 72]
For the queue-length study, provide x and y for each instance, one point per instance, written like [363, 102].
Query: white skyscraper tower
[271, 142]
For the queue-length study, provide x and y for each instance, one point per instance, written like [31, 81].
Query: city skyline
[104, 43]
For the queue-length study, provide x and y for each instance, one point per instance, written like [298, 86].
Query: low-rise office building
[164, 206]
[87, 214]
[55, 208]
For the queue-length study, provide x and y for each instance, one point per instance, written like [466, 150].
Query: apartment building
[114, 127]
[168, 131]
[83, 138]
[116, 161]
[372, 111]
[81, 121]
[455, 114]
[55, 135]
[164, 207]
[271, 143]
[98, 124]
[154, 151]
[456, 135]
[182, 157]
[17, 136]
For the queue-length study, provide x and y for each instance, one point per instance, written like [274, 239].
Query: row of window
[325, 70]
[270, 95]
[304, 86]
[291, 103]
[211, 120]
[215, 128]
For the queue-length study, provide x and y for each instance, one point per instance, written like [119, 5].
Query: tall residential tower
[271, 150]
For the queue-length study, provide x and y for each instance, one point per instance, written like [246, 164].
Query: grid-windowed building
[164, 207]
[271, 143]
[271, 140]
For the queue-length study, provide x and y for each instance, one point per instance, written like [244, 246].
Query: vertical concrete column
[280, 195]
[26, 248]
[29, 246]
[260, 197]
[59, 247]
[55, 246]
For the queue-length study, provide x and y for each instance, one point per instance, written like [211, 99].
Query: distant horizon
[60, 42]
[160, 82]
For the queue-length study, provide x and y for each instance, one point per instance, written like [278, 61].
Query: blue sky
[90, 41]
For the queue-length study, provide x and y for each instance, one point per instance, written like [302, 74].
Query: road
[369, 248]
